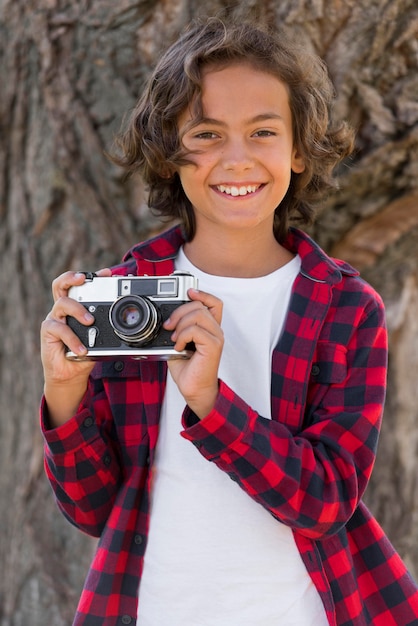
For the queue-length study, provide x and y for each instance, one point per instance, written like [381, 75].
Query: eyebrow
[261, 117]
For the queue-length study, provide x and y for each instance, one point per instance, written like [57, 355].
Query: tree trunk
[69, 72]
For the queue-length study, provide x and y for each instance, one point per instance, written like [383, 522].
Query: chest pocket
[329, 365]
[329, 371]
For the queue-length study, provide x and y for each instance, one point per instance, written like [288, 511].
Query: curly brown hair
[151, 146]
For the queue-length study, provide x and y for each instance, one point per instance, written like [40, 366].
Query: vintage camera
[129, 313]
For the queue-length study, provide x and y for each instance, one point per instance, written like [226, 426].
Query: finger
[191, 317]
[200, 317]
[54, 332]
[65, 306]
[62, 283]
[207, 343]
[104, 272]
[211, 302]
[201, 301]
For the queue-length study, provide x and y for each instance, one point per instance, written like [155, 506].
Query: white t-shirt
[215, 557]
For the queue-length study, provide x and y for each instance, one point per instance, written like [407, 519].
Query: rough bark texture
[69, 71]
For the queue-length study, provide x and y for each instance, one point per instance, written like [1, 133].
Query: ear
[298, 163]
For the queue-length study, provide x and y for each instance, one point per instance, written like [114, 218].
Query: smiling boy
[284, 393]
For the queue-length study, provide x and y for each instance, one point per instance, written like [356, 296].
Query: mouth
[235, 190]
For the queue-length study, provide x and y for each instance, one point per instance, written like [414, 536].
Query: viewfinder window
[167, 287]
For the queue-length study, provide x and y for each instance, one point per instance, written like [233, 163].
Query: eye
[206, 134]
[264, 133]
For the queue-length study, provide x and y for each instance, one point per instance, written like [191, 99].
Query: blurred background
[69, 72]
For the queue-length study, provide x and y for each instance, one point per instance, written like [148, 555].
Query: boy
[283, 394]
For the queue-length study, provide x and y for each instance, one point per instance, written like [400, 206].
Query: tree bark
[68, 74]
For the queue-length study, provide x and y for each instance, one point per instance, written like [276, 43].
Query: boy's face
[243, 152]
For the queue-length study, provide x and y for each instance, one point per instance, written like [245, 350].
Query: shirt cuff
[222, 428]
[77, 432]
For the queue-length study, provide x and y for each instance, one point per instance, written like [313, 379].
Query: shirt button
[126, 619]
[315, 370]
[138, 539]
[118, 366]
[107, 459]
[88, 422]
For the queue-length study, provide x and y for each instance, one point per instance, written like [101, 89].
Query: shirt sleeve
[81, 461]
[311, 480]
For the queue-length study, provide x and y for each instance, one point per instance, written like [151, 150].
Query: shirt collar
[156, 255]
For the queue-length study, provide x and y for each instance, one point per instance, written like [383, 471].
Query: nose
[236, 155]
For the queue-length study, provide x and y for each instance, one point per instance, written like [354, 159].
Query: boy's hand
[65, 380]
[197, 378]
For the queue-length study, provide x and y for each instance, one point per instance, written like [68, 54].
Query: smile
[232, 190]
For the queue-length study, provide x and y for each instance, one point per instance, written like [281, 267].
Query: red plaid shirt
[308, 466]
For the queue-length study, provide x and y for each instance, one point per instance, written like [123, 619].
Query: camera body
[129, 313]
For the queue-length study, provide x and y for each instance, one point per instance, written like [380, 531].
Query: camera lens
[134, 319]
[130, 316]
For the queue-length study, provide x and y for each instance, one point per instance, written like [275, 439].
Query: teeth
[238, 191]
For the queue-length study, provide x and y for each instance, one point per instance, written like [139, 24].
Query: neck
[237, 256]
